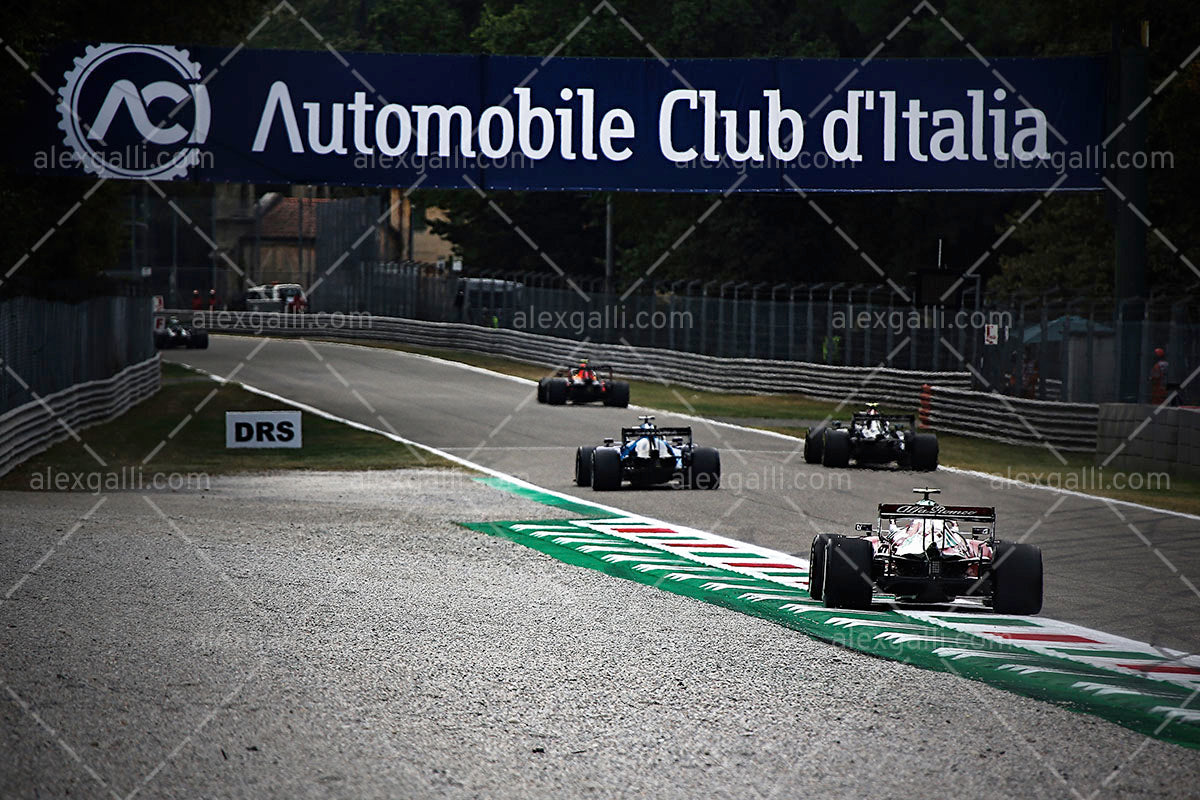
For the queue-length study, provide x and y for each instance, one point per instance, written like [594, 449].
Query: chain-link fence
[49, 345]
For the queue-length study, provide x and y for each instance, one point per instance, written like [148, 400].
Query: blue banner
[766, 125]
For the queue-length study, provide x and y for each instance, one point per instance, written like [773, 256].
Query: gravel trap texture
[337, 635]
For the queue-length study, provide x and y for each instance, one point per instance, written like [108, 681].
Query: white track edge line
[774, 434]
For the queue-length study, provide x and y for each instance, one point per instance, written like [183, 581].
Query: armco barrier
[991, 415]
[857, 384]
[31, 428]
[953, 408]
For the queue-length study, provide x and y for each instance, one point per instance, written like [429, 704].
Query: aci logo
[135, 111]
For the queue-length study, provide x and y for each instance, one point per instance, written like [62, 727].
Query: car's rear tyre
[705, 472]
[198, 341]
[847, 578]
[541, 390]
[814, 444]
[617, 394]
[1016, 578]
[606, 469]
[923, 452]
[835, 450]
[161, 341]
[556, 391]
[816, 565]
[583, 466]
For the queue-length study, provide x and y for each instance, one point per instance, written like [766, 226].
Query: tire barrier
[33, 427]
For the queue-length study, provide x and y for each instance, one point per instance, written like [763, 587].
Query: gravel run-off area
[338, 635]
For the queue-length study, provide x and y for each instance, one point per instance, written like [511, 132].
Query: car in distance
[583, 384]
[918, 553]
[872, 438]
[176, 334]
[648, 455]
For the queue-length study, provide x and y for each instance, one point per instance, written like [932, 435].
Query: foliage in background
[1067, 243]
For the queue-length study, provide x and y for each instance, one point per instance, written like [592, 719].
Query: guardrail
[694, 370]
[990, 415]
[955, 407]
[33, 427]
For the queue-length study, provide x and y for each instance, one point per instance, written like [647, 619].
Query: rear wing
[565, 371]
[862, 417]
[921, 511]
[631, 434]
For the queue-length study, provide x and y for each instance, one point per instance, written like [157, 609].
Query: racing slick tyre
[583, 466]
[161, 341]
[1016, 578]
[835, 451]
[198, 341]
[814, 444]
[606, 469]
[541, 390]
[617, 394]
[556, 391]
[816, 565]
[923, 452]
[847, 578]
[705, 472]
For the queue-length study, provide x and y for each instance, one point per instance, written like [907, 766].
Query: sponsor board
[160, 112]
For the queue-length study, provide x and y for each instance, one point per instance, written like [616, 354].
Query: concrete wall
[1168, 440]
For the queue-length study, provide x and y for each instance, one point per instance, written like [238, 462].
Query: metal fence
[47, 346]
[1041, 348]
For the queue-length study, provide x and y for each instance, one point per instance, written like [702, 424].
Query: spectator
[197, 300]
[212, 299]
[1158, 377]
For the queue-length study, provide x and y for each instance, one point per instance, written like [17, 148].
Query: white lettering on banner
[713, 134]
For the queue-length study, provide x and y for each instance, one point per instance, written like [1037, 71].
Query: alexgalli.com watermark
[259, 321]
[1093, 157]
[132, 158]
[1089, 479]
[597, 319]
[124, 479]
[775, 478]
[899, 320]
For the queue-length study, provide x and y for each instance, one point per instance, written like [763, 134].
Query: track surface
[1121, 569]
[335, 635]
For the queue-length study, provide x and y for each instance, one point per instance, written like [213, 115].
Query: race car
[583, 384]
[648, 455]
[925, 552]
[872, 438]
[176, 334]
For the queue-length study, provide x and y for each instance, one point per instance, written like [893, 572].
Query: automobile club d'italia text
[985, 127]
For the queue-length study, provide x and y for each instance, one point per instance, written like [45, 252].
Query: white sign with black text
[262, 429]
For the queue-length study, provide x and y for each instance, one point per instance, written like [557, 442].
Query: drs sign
[262, 429]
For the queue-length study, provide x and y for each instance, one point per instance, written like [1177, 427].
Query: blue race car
[648, 455]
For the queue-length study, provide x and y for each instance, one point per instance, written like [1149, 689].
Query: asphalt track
[1126, 570]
